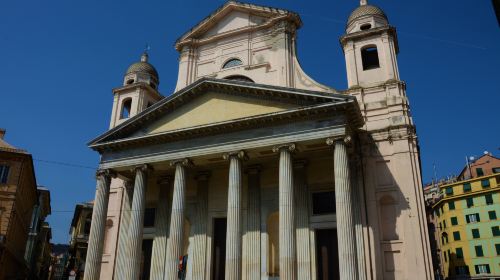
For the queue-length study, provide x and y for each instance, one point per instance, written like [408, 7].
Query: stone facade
[18, 196]
[274, 176]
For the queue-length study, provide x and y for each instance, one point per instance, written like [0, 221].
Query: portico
[330, 122]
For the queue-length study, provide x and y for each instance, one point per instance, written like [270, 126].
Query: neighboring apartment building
[487, 164]
[79, 238]
[466, 225]
[38, 248]
[18, 196]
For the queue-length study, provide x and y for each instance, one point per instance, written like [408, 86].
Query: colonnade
[167, 253]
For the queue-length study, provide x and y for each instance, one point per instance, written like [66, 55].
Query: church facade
[253, 170]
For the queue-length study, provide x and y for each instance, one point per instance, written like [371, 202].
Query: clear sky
[60, 60]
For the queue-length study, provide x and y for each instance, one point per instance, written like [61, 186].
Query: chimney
[2, 133]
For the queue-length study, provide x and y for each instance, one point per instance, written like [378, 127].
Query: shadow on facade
[385, 205]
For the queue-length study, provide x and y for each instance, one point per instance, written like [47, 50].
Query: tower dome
[142, 71]
[365, 17]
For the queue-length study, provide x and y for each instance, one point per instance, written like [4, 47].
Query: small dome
[143, 66]
[365, 10]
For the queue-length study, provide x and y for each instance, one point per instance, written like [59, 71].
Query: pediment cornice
[273, 14]
[308, 104]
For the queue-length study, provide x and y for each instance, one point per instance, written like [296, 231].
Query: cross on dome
[363, 2]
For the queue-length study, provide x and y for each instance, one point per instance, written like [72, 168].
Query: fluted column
[200, 228]
[287, 242]
[343, 198]
[175, 237]
[302, 220]
[253, 256]
[121, 255]
[161, 230]
[357, 200]
[136, 226]
[96, 237]
[233, 236]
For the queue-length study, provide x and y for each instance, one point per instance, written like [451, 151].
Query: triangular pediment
[216, 106]
[233, 16]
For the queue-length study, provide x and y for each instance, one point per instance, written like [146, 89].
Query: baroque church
[253, 170]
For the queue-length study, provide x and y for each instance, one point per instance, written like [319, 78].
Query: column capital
[341, 138]
[182, 161]
[300, 163]
[203, 176]
[106, 173]
[143, 168]
[240, 154]
[253, 169]
[290, 147]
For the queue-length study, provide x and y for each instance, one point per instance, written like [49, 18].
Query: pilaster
[302, 220]
[253, 254]
[161, 229]
[200, 237]
[123, 235]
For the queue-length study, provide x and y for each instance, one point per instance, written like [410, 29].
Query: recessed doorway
[327, 256]
[219, 249]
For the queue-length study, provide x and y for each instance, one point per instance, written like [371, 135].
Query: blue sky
[60, 60]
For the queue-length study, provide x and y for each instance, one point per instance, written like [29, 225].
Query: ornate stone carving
[345, 138]
[240, 154]
[183, 162]
[291, 147]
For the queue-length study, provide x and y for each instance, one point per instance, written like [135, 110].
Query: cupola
[366, 17]
[142, 72]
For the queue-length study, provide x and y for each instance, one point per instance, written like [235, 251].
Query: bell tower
[139, 91]
[370, 47]
[388, 143]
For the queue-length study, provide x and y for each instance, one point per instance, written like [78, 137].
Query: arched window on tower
[232, 63]
[126, 107]
[369, 56]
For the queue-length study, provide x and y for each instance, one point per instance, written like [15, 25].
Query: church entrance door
[327, 259]
[219, 249]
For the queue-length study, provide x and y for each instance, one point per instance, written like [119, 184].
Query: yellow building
[468, 228]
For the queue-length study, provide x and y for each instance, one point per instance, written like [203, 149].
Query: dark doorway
[147, 249]
[219, 249]
[327, 258]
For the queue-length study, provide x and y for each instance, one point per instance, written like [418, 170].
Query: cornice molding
[309, 103]
[387, 30]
